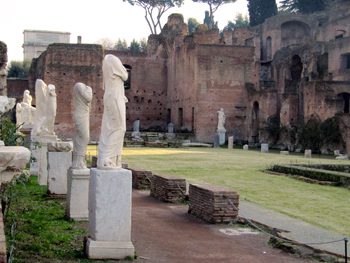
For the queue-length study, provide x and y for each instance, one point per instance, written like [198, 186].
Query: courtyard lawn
[325, 206]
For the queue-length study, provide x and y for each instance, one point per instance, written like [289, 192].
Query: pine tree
[259, 10]
[304, 6]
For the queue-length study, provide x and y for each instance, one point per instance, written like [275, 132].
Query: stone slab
[34, 148]
[308, 153]
[78, 194]
[230, 142]
[13, 158]
[264, 147]
[42, 173]
[110, 214]
[222, 136]
[246, 147]
[284, 152]
[58, 165]
[109, 249]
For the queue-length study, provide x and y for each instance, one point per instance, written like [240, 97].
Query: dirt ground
[166, 233]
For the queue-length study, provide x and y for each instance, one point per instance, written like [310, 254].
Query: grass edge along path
[324, 206]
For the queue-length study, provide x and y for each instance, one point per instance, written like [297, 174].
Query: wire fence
[345, 239]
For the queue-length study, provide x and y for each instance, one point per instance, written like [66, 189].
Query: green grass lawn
[325, 206]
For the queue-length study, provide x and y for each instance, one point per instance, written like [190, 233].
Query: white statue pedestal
[42, 174]
[110, 215]
[222, 135]
[34, 148]
[78, 194]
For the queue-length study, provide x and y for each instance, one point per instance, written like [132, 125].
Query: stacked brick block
[141, 178]
[211, 203]
[168, 188]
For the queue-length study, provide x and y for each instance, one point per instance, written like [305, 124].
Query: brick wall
[166, 187]
[209, 203]
[141, 178]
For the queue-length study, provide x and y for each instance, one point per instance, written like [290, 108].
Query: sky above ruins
[92, 19]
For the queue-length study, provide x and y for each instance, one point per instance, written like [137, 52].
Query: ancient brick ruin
[291, 66]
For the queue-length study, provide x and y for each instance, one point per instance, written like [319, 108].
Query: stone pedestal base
[58, 165]
[109, 249]
[109, 214]
[34, 148]
[222, 135]
[78, 194]
[42, 174]
[230, 142]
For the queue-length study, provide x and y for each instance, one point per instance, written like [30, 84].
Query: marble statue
[19, 120]
[40, 113]
[51, 106]
[82, 100]
[222, 117]
[27, 112]
[114, 116]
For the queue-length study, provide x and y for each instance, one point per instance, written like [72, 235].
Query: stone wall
[141, 178]
[210, 203]
[147, 93]
[3, 64]
[16, 87]
[168, 188]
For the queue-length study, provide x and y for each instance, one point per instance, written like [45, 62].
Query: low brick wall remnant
[210, 203]
[141, 178]
[168, 188]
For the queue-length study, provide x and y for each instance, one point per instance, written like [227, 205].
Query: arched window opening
[128, 81]
[255, 122]
[322, 65]
[296, 68]
[269, 48]
[345, 97]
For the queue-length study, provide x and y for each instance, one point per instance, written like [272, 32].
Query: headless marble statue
[82, 100]
[51, 106]
[114, 115]
[40, 113]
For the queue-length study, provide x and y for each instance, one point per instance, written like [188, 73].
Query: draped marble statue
[114, 115]
[40, 113]
[221, 119]
[19, 119]
[82, 100]
[50, 106]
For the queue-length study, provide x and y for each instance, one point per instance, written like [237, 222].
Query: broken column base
[109, 215]
[109, 249]
[78, 194]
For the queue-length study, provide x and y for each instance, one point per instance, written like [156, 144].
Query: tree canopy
[19, 69]
[154, 9]
[192, 24]
[239, 21]
[122, 45]
[213, 6]
[304, 6]
[259, 10]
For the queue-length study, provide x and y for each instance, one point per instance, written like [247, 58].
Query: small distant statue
[51, 106]
[40, 112]
[114, 116]
[82, 100]
[221, 117]
[28, 111]
[19, 120]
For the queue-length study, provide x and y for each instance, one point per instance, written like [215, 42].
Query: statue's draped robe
[40, 113]
[114, 116]
[82, 99]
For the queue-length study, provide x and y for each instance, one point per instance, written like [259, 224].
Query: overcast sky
[92, 19]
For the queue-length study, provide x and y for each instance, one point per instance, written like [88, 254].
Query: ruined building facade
[291, 66]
